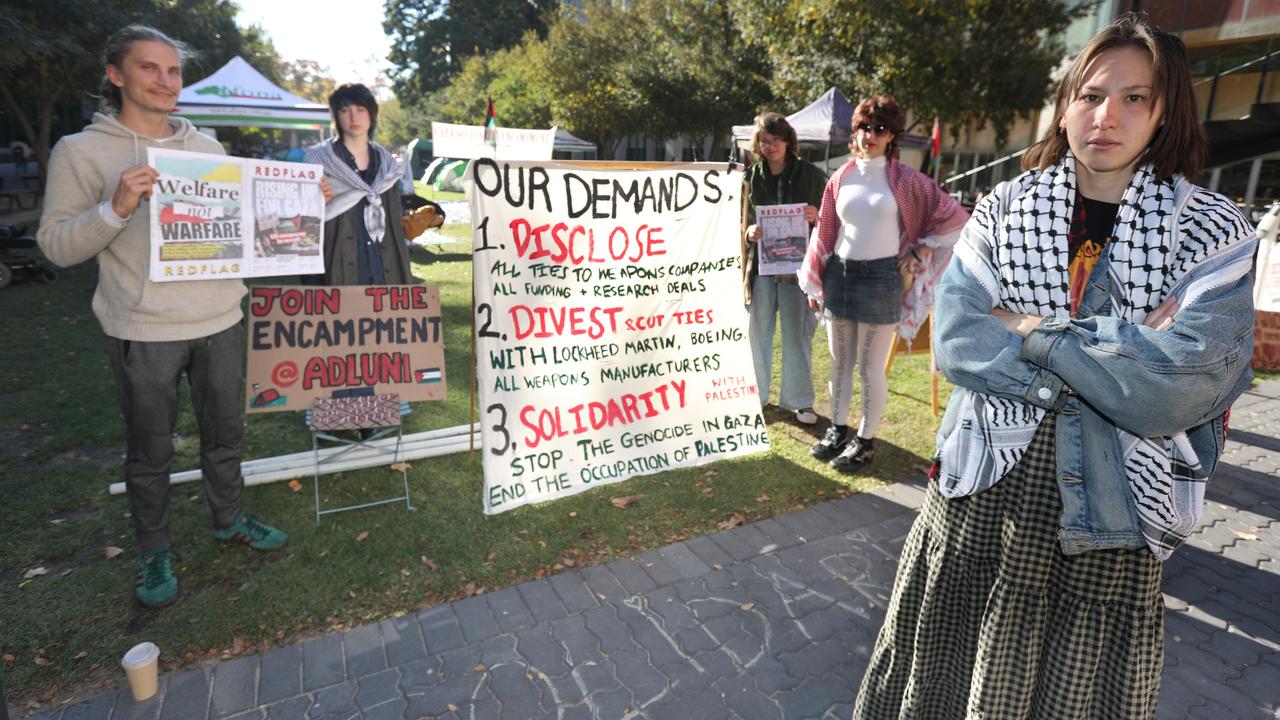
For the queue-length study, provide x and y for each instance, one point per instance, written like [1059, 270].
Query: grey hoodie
[84, 170]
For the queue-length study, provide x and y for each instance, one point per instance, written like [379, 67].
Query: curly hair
[882, 110]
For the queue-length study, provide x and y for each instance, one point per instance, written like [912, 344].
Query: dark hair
[353, 94]
[882, 110]
[118, 47]
[1179, 144]
[776, 125]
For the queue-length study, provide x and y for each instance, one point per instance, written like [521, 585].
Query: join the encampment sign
[611, 333]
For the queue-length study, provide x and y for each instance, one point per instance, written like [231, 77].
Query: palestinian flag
[491, 125]
[428, 375]
[935, 148]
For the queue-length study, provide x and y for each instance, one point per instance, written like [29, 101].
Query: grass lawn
[61, 443]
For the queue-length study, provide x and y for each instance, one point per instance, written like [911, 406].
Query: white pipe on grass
[431, 443]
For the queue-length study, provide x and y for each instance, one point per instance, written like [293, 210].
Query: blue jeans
[769, 299]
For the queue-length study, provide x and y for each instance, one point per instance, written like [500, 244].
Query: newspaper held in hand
[782, 244]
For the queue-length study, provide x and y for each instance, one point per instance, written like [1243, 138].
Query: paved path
[769, 620]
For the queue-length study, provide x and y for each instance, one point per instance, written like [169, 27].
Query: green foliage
[433, 39]
[398, 126]
[515, 78]
[307, 79]
[50, 56]
[966, 61]
[606, 70]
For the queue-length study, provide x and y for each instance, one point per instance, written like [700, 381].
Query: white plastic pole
[431, 443]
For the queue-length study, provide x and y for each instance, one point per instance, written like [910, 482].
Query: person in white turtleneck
[854, 271]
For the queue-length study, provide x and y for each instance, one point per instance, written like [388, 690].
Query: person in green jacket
[780, 176]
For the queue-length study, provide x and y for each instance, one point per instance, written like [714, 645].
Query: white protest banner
[612, 337]
[785, 233]
[215, 217]
[464, 142]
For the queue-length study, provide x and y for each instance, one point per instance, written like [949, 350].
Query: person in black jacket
[780, 176]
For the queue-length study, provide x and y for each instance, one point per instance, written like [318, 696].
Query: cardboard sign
[216, 217]
[308, 342]
[612, 337]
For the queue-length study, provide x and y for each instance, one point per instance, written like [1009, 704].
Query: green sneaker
[246, 529]
[156, 584]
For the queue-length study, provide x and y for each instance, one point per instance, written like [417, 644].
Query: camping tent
[825, 121]
[239, 96]
[828, 123]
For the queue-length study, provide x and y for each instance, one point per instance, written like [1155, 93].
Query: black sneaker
[859, 452]
[832, 442]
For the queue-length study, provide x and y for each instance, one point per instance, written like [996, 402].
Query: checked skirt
[989, 620]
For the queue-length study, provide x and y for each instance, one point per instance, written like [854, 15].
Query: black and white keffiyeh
[349, 188]
[1170, 239]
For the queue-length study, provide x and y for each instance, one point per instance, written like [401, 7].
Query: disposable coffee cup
[141, 664]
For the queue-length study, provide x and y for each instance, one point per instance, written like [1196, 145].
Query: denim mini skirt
[865, 291]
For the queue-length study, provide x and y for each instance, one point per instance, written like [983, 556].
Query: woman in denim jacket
[1097, 321]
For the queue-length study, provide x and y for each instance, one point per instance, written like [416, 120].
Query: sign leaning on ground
[308, 342]
[216, 217]
[611, 334]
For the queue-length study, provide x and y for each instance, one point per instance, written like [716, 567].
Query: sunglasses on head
[878, 128]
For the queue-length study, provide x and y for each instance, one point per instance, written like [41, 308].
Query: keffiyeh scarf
[1016, 249]
[349, 188]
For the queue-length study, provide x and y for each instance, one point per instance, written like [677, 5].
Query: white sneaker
[806, 416]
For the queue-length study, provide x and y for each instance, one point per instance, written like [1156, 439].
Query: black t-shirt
[1091, 226]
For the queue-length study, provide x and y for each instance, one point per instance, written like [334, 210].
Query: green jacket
[800, 182]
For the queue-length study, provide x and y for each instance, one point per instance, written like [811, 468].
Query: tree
[432, 39]
[398, 125]
[307, 79]
[516, 80]
[698, 77]
[45, 62]
[50, 57]
[652, 67]
[593, 56]
[965, 61]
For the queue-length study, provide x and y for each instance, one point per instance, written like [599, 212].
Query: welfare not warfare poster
[216, 217]
[611, 330]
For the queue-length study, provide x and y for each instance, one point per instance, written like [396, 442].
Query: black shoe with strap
[859, 452]
[832, 442]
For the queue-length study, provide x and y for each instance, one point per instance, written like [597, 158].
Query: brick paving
[770, 620]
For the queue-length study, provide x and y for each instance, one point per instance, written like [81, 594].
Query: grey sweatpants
[148, 374]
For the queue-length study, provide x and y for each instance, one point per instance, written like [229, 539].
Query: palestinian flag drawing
[428, 375]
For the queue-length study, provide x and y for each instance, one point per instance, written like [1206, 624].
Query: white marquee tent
[239, 96]
[825, 121]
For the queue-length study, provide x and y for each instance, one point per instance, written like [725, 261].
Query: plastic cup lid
[140, 654]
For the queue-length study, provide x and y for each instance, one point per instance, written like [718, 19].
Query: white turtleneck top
[868, 213]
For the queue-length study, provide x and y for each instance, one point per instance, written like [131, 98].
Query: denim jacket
[1098, 372]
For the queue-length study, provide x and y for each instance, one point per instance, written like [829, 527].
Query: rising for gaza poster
[214, 217]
